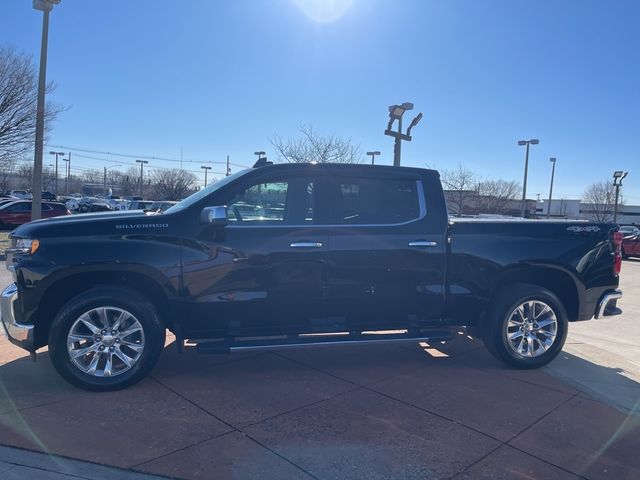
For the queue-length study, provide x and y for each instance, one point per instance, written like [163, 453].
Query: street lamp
[206, 169]
[373, 156]
[104, 178]
[618, 176]
[56, 181]
[395, 113]
[553, 172]
[45, 6]
[141, 162]
[533, 141]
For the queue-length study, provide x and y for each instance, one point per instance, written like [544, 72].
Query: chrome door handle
[305, 244]
[422, 243]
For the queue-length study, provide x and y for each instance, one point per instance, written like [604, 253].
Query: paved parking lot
[404, 411]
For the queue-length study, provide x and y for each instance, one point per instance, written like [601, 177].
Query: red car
[631, 246]
[19, 212]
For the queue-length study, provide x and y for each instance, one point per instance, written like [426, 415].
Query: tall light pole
[259, 154]
[395, 113]
[533, 141]
[56, 181]
[141, 162]
[373, 156]
[228, 167]
[45, 6]
[618, 176]
[553, 172]
[206, 169]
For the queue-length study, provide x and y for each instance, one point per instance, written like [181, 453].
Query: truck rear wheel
[107, 338]
[526, 326]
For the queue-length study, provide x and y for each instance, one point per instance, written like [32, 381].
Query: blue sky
[222, 77]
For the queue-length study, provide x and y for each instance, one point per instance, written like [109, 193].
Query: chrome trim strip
[613, 295]
[421, 204]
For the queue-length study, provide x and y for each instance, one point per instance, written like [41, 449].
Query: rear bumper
[17, 333]
[607, 305]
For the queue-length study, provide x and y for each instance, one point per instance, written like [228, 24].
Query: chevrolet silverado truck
[295, 255]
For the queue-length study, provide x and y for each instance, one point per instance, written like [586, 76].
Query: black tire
[503, 305]
[122, 298]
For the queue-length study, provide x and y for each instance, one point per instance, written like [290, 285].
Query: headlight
[27, 245]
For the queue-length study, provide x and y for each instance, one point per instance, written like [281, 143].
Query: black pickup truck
[292, 255]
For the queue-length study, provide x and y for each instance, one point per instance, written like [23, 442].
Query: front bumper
[17, 333]
[607, 306]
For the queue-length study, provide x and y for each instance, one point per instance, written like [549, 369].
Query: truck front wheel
[526, 326]
[107, 338]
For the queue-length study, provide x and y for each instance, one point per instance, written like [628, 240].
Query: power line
[146, 157]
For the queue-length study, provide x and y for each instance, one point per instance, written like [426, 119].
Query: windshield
[187, 202]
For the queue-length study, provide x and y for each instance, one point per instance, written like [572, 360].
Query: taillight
[616, 238]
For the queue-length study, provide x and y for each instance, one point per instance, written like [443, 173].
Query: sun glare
[324, 11]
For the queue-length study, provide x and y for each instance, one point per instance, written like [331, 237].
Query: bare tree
[25, 175]
[7, 166]
[598, 200]
[92, 176]
[172, 184]
[462, 186]
[495, 196]
[312, 147]
[18, 99]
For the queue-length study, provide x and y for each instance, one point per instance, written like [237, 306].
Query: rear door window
[375, 201]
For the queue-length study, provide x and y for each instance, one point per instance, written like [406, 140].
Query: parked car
[19, 194]
[138, 205]
[19, 212]
[629, 230]
[357, 254]
[631, 246]
[161, 206]
[49, 196]
[89, 205]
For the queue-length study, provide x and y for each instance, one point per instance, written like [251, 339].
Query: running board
[318, 340]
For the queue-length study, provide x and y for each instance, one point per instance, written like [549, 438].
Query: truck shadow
[25, 384]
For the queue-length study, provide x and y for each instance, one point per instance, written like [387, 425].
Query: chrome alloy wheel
[531, 329]
[105, 341]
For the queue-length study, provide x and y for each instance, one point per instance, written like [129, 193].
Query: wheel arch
[66, 287]
[555, 279]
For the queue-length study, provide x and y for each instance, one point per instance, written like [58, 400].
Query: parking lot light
[618, 176]
[533, 141]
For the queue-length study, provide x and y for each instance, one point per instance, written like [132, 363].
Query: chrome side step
[319, 340]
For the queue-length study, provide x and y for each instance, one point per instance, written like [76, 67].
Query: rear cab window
[375, 201]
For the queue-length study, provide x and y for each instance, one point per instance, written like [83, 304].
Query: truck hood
[100, 223]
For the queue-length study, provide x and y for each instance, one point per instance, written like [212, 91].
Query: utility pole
[141, 162]
[228, 167]
[533, 141]
[104, 181]
[373, 156]
[553, 172]
[206, 169]
[67, 170]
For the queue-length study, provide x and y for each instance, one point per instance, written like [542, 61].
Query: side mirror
[214, 216]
